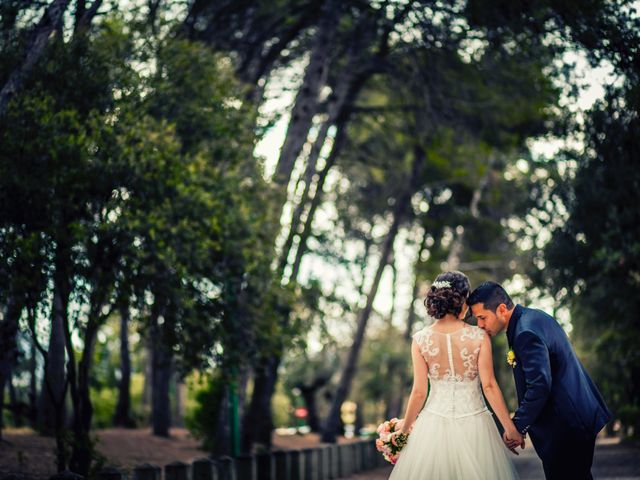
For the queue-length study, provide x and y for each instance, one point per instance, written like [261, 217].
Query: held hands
[512, 439]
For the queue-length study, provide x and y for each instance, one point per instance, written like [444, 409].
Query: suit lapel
[511, 329]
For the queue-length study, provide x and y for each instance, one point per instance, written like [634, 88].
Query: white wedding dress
[454, 436]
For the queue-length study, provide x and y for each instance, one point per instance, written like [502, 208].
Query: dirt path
[33, 455]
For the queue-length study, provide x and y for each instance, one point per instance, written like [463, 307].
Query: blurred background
[219, 219]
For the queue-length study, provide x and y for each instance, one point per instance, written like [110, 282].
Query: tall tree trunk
[146, 386]
[161, 368]
[222, 444]
[51, 406]
[358, 423]
[309, 393]
[84, 16]
[310, 171]
[48, 390]
[17, 408]
[402, 206]
[339, 104]
[306, 102]
[411, 313]
[317, 200]
[243, 379]
[340, 112]
[122, 416]
[309, 396]
[8, 352]
[33, 389]
[82, 452]
[178, 405]
[394, 288]
[453, 259]
[258, 420]
[62, 281]
[49, 23]
[257, 425]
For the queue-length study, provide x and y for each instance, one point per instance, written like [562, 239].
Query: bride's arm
[492, 390]
[419, 390]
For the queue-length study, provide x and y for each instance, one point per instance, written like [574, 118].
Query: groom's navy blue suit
[560, 407]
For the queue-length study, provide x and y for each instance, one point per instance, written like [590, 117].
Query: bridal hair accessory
[388, 443]
[441, 284]
[511, 358]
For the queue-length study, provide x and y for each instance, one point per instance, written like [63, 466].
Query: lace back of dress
[452, 356]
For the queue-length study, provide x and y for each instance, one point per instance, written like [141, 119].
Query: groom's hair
[491, 294]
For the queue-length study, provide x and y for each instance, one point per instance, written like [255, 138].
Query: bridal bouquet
[390, 445]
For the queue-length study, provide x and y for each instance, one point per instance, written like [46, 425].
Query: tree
[591, 263]
[439, 123]
[136, 204]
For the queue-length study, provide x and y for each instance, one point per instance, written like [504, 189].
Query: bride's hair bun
[448, 294]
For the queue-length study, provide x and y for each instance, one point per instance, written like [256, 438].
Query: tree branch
[49, 23]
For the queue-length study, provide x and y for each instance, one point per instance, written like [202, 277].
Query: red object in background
[301, 412]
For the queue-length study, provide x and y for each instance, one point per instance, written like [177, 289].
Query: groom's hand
[513, 440]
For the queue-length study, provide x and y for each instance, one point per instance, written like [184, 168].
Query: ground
[612, 460]
[24, 451]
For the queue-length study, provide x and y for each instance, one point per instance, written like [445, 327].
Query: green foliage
[282, 408]
[128, 171]
[127, 167]
[387, 355]
[201, 229]
[105, 374]
[150, 193]
[202, 418]
[592, 263]
[104, 403]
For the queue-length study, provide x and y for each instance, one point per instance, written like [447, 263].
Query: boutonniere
[511, 358]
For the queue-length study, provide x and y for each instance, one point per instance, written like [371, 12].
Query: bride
[454, 435]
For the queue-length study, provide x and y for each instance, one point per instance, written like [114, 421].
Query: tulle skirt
[466, 448]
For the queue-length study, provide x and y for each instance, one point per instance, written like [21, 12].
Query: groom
[560, 407]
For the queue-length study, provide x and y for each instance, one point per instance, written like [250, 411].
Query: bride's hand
[399, 438]
[401, 428]
[513, 438]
